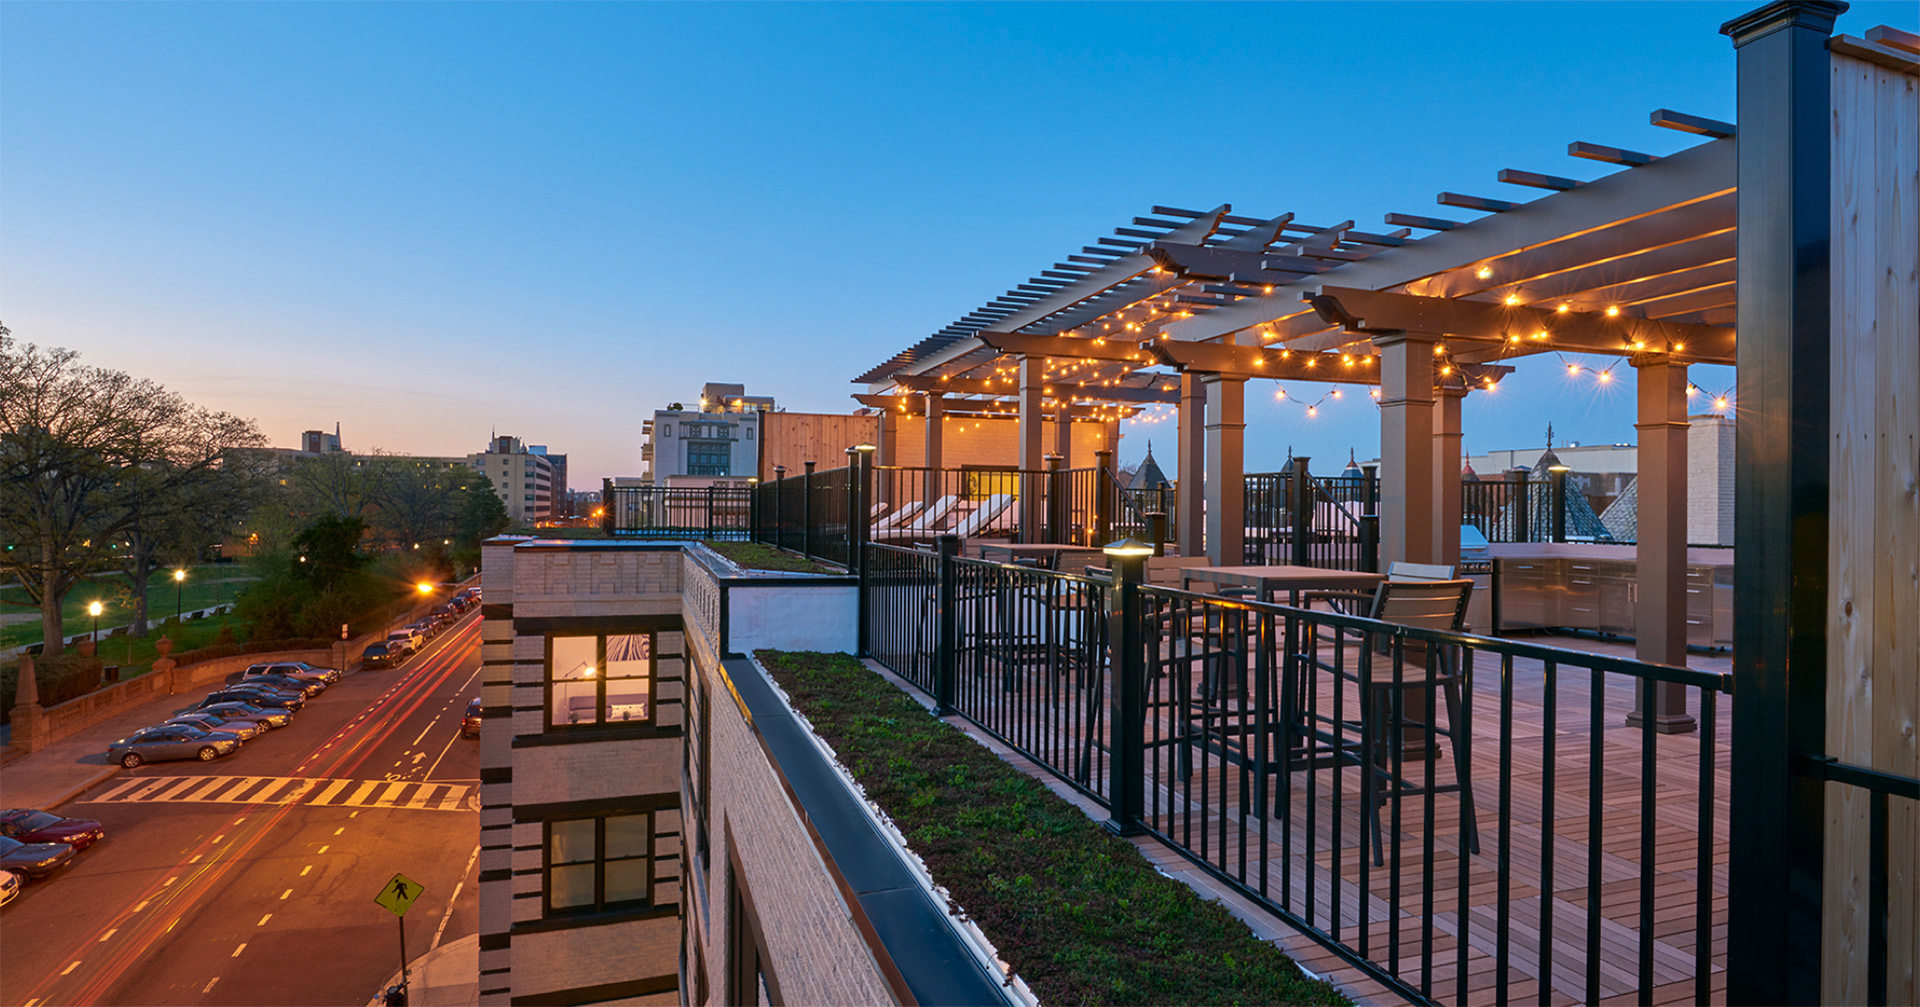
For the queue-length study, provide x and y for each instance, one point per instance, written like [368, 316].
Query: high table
[1269, 579]
[1047, 552]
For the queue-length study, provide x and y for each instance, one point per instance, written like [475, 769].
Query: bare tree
[84, 454]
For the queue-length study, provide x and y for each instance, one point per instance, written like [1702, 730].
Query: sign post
[396, 897]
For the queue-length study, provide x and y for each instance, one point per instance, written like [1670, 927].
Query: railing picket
[1647, 794]
[1596, 792]
[1703, 865]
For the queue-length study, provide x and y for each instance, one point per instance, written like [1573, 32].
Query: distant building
[523, 478]
[718, 441]
[319, 441]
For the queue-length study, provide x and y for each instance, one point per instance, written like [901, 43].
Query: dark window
[751, 979]
[599, 863]
[709, 458]
[593, 680]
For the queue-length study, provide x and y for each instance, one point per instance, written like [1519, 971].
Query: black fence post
[779, 506]
[1155, 524]
[606, 507]
[1302, 508]
[806, 511]
[753, 509]
[1127, 707]
[1370, 518]
[857, 535]
[1056, 500]
[1103, 496]
[856, 510]
[1518, 505]
[946, 657]
[1557, 499]
[710, 488]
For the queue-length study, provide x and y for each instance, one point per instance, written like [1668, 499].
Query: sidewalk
[61, 771]
[447, 976]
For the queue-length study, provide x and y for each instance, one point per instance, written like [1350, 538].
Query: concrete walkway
[447, 976]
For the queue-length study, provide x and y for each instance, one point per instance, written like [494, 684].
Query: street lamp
[424, 587]
[179, 592]
[94, 609]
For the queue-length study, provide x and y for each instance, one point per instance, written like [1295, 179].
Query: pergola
[1650, 263]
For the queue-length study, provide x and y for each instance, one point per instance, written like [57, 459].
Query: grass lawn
[1080, 914]
[760, 556]
[135, 656]
[205, 586]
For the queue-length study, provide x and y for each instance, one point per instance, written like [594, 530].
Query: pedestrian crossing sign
[399, 894]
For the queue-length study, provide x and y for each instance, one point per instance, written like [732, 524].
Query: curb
[97, 779]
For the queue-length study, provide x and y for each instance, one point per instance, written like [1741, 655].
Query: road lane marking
[142, 905]
[169, 881]
[284, 790]
[209, 987]
[110, 933]
[219, 837]
[424, 730]
[198, 792]
[355, 814]
[133, 784]
[444, 917]
[304, 870]
[196, 858]
[236, 951]
[70, 968]
[360, 793]
[263, 920]
[283, 895]
[339, 830]
[387, 797]
[324, 849]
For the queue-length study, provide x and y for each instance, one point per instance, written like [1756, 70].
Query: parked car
[30, 826]
[470, 725]
[257, 694]
[33, 860]
[427, 628]
[381, 655]
[245, 730]
[292, 670]
[171, 741]
[331, 675]
[269, 716]
[304, 686]
[409, 640]
[10, 885]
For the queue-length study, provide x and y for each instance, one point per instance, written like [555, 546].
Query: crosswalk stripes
[403, 794]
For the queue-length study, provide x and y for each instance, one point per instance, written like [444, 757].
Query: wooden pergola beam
[915, 405]
[1117, 350]
[981, 386]
[1374, 311]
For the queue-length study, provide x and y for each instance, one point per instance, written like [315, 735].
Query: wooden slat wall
[1874, 556]
[793, 439]
[988, 441]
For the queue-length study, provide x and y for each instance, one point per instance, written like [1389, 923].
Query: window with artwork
[599, 863]
[600, 680]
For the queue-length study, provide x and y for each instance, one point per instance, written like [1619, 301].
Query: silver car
[245, 730]
[171, 741]
[270, 716]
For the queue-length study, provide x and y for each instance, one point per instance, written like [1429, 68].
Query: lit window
[594, 680]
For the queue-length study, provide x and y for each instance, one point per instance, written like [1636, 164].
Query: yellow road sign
[399, 894]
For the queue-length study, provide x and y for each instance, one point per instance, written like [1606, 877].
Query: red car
[30, 826]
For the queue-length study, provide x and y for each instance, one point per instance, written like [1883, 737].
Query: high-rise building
[523, 478]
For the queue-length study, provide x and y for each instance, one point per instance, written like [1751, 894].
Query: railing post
[946, 657]
[1155, 524]
[606, 507]
[1557, 495]
[1518, 505]
[779, 506]
[1302, 508]
[710, 488]
[855, 509]
[753, 510]
[806, 511]
[1370, 518]
[1126, 711]
[1103, 495]
[1056, 500]
[857, 535]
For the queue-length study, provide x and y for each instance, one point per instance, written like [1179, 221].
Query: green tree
[84, 453]
[329, 550]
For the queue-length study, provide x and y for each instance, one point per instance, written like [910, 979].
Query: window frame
[600, 723]
[599, 862]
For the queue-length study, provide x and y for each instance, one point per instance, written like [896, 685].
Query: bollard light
[1128, 548]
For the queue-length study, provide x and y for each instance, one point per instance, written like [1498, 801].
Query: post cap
[1128, 548]
[865, 448]
[1559, 468]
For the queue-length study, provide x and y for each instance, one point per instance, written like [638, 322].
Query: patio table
[1045, 551]
[1267, 580]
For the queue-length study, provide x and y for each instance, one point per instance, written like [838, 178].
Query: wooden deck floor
[1591, 895]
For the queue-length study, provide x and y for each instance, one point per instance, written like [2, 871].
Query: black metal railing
[710, 512]
[1442, 810]
[1027, 505]
[1297, 518]
[1881, 788]
[1133, 505]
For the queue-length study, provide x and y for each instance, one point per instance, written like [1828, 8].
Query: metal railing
[1442, 810]
[711, 512]
[1880, 788]
[1296, 518]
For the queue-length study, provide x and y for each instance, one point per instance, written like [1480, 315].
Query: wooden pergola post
[1406, 447]
[1063, 433]
[1226, 435]
[1660, 549]
[934, 436]
[1446, 473]
[1032, 450]
[1190, 495]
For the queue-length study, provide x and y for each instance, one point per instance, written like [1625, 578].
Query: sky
[429, 222]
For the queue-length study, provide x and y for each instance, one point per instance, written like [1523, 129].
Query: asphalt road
[251, 879]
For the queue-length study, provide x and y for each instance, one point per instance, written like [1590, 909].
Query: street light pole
[179, 593]
[93, 609]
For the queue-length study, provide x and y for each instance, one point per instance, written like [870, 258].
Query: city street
[251, 879]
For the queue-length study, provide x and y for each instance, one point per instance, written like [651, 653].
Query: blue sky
[426, 221]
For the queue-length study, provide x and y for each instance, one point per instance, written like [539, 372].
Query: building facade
[522, 475]
[719, 440]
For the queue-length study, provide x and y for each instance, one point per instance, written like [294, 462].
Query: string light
[1483, 272]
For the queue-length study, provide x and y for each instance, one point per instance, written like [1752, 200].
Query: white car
[409, 639]
[10, 885]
